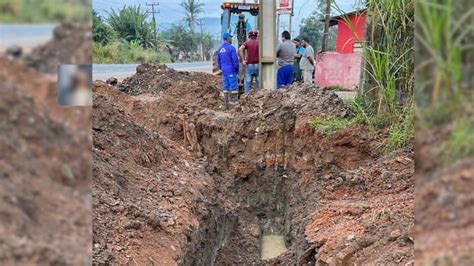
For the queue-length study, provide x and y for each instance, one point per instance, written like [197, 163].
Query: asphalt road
[122, 71]
[25, 35]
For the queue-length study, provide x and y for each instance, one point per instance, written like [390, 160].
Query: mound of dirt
[151, 197]
[262, 157]
[71, 44]
[155, 78]
[43, 91]
[44, 186]
[45, 167]
[444, 227]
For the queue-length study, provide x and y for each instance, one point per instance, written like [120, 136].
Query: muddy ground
[182, 178]
[45, 168]
[444, 203]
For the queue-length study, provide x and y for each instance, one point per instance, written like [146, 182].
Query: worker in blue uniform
[228, 63]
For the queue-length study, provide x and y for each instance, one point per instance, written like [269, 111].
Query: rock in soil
[71, 44]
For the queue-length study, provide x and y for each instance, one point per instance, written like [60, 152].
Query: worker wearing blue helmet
[228, 63]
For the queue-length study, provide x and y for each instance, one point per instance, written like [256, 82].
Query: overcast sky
[172, 12]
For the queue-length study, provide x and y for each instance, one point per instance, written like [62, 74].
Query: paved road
[25, 35]
[346, 94]
[123, 71]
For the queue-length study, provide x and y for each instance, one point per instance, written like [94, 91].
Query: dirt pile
[444, 227]
[279, 174]
[43, 91]
[152, 200]
[71, 44]
[154, 79]
[45, 171]
[44, 186]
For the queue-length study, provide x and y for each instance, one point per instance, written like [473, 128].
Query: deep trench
[264, 203]
[269, 199]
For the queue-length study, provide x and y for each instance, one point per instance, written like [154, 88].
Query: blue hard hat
[226, 35]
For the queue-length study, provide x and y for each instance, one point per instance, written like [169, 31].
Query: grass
[328, 127]
[459, 144]
[385, 98]
[444, 33]
[401, 134]
[34, 11]
[126, 53]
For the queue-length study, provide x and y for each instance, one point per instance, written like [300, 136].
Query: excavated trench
[252, 184]
[259, 163]
[268, 226]
[259, 230]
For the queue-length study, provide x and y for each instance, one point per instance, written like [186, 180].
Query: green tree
[184, 41]
[101, 32]
[34, 11]
[192, 8]
[312, 27]
[131, 24]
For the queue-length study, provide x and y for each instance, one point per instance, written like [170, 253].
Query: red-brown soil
[218, 177]
[71, 44]
[444, 227]
[45, 169]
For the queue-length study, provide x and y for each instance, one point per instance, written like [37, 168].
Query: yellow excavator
[237, 18]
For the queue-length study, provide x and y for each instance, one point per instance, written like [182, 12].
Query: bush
[33, 11]
[105, 54]
[126, 53]
[459, 144]
[402, 133]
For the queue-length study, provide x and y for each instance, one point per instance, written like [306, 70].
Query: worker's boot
[234, 98]
[226, 96]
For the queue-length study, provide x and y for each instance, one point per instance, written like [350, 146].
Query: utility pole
[326, 26]
[278, 23]
[291, 16]
[267, 39]
[153, 12]
[200, 24]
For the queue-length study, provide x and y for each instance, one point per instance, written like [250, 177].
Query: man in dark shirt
[251, 61]
[286, 56]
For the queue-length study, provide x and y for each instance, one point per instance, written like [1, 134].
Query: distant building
[342, 67]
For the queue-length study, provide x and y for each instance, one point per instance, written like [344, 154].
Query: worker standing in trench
[286, 56]
[251, 61]
[228, 63]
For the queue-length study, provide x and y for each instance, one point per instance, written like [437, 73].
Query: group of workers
[295, 61]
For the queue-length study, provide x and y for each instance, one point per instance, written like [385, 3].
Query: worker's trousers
[250, 73]
[231, 90]
[285, 75]
[307, 76]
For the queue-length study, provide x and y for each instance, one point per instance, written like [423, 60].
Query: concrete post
[268, 41]
[225, 22]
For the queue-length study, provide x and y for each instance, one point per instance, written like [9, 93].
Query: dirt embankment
[335, 200]
[45, 170]
[71, 44]
[444, 227]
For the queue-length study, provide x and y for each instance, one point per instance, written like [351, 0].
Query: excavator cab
[237, 19]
